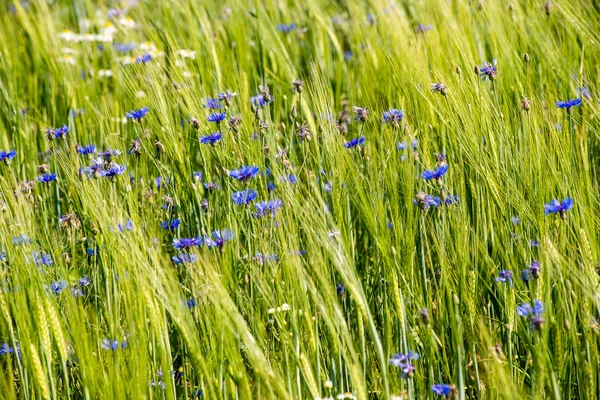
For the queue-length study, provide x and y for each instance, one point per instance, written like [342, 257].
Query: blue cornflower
[271, 187]
[3, 257]
[127, 227]
[423, 28]
[144, 58]
[534, 243]
[328, 186]
[426, 200]
[95, 168]
[584, 92]
[124, 47]
[515, 220]
[393, 117]
[559, 207]
[84, 281]
[170, 225]
[7, 155]
[109, 153]
[285, 28]
[244, 173]
[112, 344]
[569, 104]
[58, 133]
[186, 243]
[244, 196]
[226, 97]
[46, 178]
[42, 258]
[197, 175]
[262, 258]
[21, 240]
[265, 206]
[488, 70]
[505, 276]
[532, 272]
[213, 138]
[216, 117]
[339, 287]
[355, 142]
[191, 303]
[184, 259]
[533, 313]
[361, 113]
[137, 115]
[218, 238]
[6, 349]
[259, 100]
[442, 389]
[398, 359]
[91, 252]
[85, 150]
[452, 199]
[212, 104]
[436, 173]
[58, 286]
[113, 171]
[211, 186]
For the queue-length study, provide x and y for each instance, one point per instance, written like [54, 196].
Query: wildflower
[267, 206]
[404, 362]
[439, 88]
[108, 154]
[213, 138]
[297, 85]
[505, 276]
[393, 117]
[515, 220]
[244, 173]
[85, 150]
[355, 142]
[303, 132]
[285, 28]
[112, 344]
[436, 173]
[426, 200]
[91, 252]
[95, 168]
[113, 171]
[584, 92]
[533, 272]
[218, 238]
[259, 101]
[58, 133]
[560, 207]
[533, 313]
[58, 286]
[191, 303]
[226, 97]
[170, 225]
[184, 259]
[421, 28]
[42, 258]
[6, 349]
[212, 104]
[234, 123]
[127, 227]
[137, 115]
[143, 59]
[525, 104]
[443, 389]
[488, 70]
[186, 243]
[217, 117]
[46, 178]
[211, 186]
[197, 176]
[452, 199]
[244, 197]
[261, 259]
[21, 240]
[361, 113]
[569, 104]
[7, 155]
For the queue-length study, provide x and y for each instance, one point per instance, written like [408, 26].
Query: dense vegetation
[275, 199]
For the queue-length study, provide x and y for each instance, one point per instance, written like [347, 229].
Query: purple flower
[244, 173]
[559, 207]
[144, 58]
[85, 150]
[186, 243]
[436, 173]
[244, 197]
[58, 286]
[218, 238]
[488, 70]
[259, 100]
[113, 171]
[361, 114]
[355, 142]
[137, 115]
[212, 104]
[267, 206]
[505, 276]
[226, 97]
[42, 258]
[533, 272]
[213, 138]
[184, 259]
[285, 28]
[58, 133]
[393, 117]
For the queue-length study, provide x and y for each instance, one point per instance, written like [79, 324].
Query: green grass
[267, 328]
